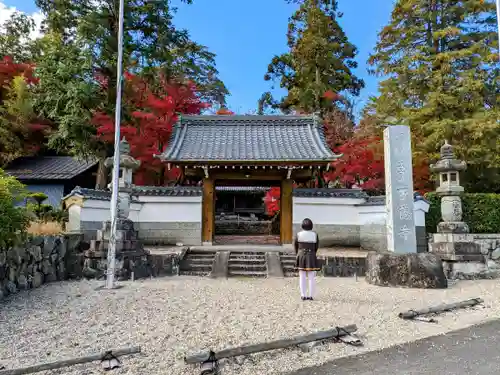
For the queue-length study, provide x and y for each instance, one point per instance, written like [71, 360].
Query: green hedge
[480, 211]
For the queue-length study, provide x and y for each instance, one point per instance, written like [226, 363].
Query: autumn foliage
[362, 164]
[272, 201]
[223, 111]
[9, 70]
[153, 115]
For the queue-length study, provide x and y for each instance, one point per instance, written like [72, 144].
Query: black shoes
[307, 299]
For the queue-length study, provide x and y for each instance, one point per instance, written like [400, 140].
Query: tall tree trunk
[102, 175]
[318, 94]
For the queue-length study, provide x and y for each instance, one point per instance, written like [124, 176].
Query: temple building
[248, 151]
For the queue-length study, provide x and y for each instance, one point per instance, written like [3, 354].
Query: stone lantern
[127, 166]
[449, 189]
[132, 260]
[461, 256]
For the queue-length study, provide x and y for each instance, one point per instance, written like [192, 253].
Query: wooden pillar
[208, 211]
[286, 204]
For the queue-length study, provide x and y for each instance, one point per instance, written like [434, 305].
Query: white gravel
[170, 317]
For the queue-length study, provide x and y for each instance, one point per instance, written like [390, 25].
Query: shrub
[481, 212]
[38, 197]
[13, 220]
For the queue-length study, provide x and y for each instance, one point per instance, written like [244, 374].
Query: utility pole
[110, 278]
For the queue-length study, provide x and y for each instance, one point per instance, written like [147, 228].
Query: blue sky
[246, 34]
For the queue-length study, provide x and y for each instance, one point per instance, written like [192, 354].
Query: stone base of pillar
[131, 258]
[452, 227]
[414, 270]
[461, 256]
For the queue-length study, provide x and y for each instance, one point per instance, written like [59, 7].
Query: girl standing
[306, 245]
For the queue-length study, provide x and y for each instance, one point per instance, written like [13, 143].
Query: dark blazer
[306, 244]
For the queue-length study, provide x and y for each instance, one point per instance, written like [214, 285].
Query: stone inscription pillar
[400, 222]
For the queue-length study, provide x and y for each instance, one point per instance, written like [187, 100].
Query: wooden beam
[208, 210]
[70, 362]
[272, 345]
[286, 212]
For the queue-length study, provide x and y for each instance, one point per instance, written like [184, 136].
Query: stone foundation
[154, 234]
[373, 238]
[131, 260]
[335, 235]
[342, 266]
[169, 233]
[241, 227]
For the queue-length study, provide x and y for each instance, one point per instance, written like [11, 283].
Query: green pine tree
[82, 44]
[439, 60]
[320, 59]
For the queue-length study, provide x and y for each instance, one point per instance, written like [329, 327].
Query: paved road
[471, 351]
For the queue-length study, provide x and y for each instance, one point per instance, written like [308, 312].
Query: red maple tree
[9, 70]
[272, 200]
[362, 164]
[154, 115]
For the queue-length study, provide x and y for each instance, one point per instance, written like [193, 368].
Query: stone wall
[40, 260]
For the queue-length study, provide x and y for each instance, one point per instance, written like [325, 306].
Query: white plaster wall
[340, 211]
[372, 214]
[169, 209]
[99, 210]
[74, 214]
[346, 211]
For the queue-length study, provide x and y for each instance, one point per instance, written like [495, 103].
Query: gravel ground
[170, 317]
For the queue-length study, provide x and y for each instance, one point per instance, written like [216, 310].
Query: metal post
[110, 279]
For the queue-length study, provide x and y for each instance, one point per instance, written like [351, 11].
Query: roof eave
[246, 162]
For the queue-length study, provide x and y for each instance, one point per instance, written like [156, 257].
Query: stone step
[239, 273]
[291, 274]
[200, 256]
[247, 260]
[247, 267]
[194, 273]
[198, 265]
[199, 260]
[241, 255]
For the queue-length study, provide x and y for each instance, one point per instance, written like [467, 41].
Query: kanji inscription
[400, 225]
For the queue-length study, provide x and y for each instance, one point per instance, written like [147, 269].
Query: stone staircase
[247, 264]
[288, 264]
[197, 263]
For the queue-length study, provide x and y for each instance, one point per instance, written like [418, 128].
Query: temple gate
[248, 151]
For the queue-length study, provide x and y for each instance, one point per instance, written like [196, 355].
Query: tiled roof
[380, 199]
[329, 193]
[248, 138]
[175, 191]
[48, 167]
[103, 195]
